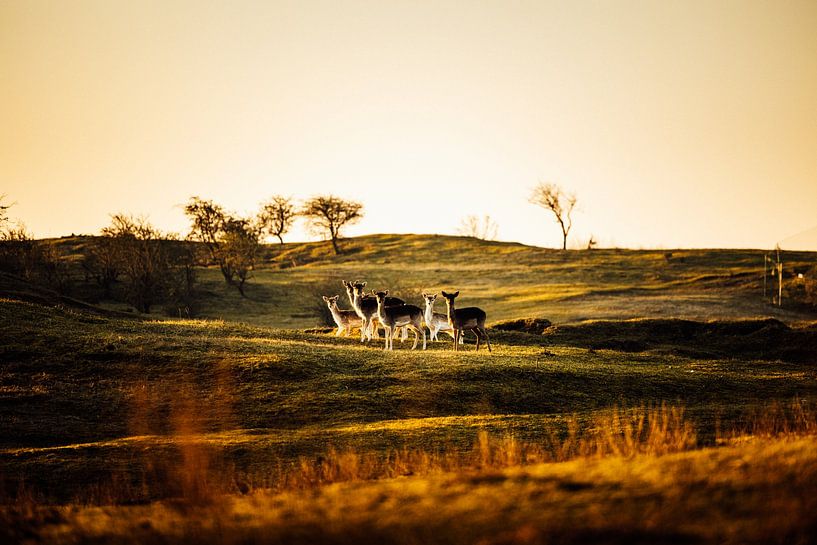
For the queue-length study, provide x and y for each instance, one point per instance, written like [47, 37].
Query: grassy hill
[508, 280]
[651, 359]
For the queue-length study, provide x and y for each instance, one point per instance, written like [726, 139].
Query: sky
[676, 124]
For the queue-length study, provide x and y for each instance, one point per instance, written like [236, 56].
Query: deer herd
[393, 314]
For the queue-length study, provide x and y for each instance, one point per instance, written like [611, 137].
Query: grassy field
[508, 280]
[609, 430]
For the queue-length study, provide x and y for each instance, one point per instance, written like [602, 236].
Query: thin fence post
[765, 263]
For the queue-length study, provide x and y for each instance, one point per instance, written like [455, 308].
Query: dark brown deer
[462, 319]
[393, 317]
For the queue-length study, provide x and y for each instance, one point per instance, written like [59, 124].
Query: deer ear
[363, 284]
[444, 294]
[386, 292]
[325, 298]
[455, 293]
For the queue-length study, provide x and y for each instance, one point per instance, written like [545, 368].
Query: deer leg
[416, 336]
[487, 340]
[387, 338]
[476, 332]
[457, 334]
[462, 337]
[364, 329]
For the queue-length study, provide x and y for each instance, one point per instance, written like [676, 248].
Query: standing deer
[366, 308]
[436, 321]
[461, 319]
[345, 319]
[392, 317]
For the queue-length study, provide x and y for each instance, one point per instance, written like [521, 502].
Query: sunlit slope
[508, 280]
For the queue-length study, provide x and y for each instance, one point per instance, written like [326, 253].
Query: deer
[366, 308]
[462, 319]
[436, 321]
[345, 319]
[392, 317]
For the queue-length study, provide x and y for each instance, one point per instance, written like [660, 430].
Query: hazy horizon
[678, 124]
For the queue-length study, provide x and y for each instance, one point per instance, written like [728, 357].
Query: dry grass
[755, 492]
[197, 473]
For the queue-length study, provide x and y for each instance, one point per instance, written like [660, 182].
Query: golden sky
[678, 124]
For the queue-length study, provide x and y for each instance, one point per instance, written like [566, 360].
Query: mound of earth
[534, 326]
[14, 287]
[768, 339]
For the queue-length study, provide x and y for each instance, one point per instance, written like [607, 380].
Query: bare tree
[102, 263]
[231, 241]
[18, 252]
[276, 216]
[208, 221]
[143, 259]
[328, 214]
[552, 197]
[239, 248]
[3, 211]
[484, 229]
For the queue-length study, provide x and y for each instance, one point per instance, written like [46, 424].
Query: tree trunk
[564, 241]
[335, 245]
[280, 238]
[227, 273]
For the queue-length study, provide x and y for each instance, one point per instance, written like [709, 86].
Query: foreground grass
[758, 491]
[87, 401]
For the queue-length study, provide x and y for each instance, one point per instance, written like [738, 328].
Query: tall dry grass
[796, 418]
[615, 432]
[197, 472]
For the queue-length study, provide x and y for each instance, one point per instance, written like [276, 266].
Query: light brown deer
[366, 308]
[345, 319]
[462, 319]
[436, 321]
[392, 317]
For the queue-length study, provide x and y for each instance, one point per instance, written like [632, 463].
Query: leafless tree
[276, 216]
[208, 221]
[484, 229]
[3, 211]
[142, 253]
[327, 215]
[231, 241]
[239, 248]
[553, 198]
[18, 252]
[101, 263]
